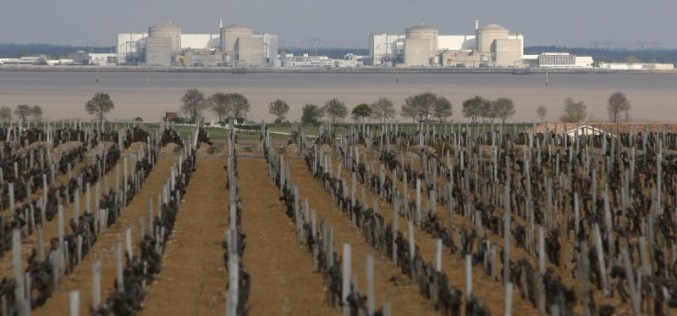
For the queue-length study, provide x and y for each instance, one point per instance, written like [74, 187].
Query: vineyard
[363, 220]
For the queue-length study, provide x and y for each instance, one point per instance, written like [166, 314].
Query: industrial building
[165, 45]
[422, 46]
[559, 60]
[101, 59]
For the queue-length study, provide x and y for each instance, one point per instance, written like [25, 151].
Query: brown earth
[193, 278]
[282, 271]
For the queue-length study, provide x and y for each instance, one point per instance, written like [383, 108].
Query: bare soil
[193, 279]
[283, 280]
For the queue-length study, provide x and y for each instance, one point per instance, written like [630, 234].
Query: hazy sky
[344, 23]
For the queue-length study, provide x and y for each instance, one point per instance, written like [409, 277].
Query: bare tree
[503, 108]
[99, 105]
[442, 109]
[420, 106]
[474, 107]
[36, 113]
[409, 110]
[311, 114]
[542, 112]
[194, 103]
[22, 111]
[361, 111]
[335, 108]
[574, 112]
[218, 104]
[487, 112]
[382, 109]
[5, 114]
[618, 104]
[279, 108]
[239, 105]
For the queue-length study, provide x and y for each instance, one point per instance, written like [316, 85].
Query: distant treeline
[613, 55]
[50, 50]
[599, 54]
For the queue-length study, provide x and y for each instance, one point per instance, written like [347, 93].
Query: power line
[597, 44]
[314, 43]
[652, 44]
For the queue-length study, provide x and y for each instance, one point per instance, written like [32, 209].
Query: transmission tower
[606, 44]
[314, 43]
[652, 44]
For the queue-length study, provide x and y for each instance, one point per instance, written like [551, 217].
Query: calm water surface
[149, 95]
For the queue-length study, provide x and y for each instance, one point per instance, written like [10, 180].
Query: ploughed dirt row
[104, 249]
[282, 271]
[51, 228]
[193, 279]
[453, 265]
[390, 284]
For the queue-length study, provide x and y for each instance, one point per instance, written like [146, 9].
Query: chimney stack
[477, 25]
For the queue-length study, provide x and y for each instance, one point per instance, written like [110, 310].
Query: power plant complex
[239, 46]
[165, 45]
[421, 46]
[236, 45]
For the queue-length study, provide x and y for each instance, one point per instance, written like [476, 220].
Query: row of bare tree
[423, 107]
[99, 105]
[223, 105]
[618, 107]
[22, 111]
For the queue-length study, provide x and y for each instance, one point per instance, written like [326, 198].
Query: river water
[149, 95]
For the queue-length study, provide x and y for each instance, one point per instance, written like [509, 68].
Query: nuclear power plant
[165, 45]
[422, 46]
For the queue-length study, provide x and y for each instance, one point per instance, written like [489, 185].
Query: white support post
[75, 303]
[371, 294]
[468, 276]
[345, 289]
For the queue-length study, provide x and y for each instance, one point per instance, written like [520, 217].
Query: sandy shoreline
[366, 70]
